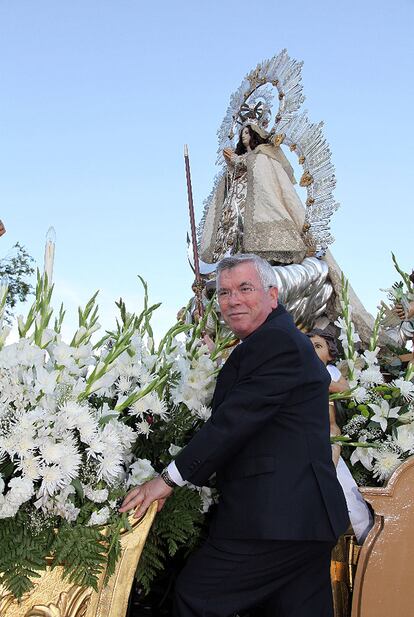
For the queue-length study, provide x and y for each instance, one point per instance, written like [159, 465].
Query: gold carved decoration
[278, 139]
[73, 603]
[53, 596]
[306, 179]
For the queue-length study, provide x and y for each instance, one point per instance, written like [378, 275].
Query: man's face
[244, 303]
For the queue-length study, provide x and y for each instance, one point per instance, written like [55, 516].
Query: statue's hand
[400, 312]
[228, 153]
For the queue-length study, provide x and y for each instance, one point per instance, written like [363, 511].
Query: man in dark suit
[281, 507]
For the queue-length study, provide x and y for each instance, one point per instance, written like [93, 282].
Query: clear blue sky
[99, 96]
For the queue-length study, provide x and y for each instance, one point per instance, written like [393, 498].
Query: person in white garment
[359, 512]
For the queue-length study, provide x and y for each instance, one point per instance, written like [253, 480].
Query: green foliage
[22, 553]
[82, 551]
[17, 268]
[178, 525]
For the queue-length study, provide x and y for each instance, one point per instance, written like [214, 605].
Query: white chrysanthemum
[124, 384]
[408, 416]
[360, 394]
[53, 479]
[141, 471]
[405, 387]
[87, 426]
[110, 466]
[29, 466]
[52, 451]
[99, 518]
[203, 413]
[206, 495]
[143, 428]
[126, 435]
[386, 462]
[371, 375]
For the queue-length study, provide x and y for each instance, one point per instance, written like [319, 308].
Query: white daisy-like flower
[124, 384]
[52, 480]
[110, 466]
[29, 465]
[52, 451]
[386, 462]
[143, 428]
[405, 387]
[203, 412]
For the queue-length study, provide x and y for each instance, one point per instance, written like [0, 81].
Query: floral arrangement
[378, 434]
[80, 422]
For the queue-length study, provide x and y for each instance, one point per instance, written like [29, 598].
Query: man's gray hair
[264, 269]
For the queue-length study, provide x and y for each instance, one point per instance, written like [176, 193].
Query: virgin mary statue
[255, 208]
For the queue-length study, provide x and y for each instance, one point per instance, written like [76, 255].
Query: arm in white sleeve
[175, 474]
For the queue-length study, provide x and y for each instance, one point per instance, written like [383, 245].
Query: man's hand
[141, 497]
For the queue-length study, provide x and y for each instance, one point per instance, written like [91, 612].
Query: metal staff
[198, 283]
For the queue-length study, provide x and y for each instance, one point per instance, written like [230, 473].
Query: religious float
[83, 420]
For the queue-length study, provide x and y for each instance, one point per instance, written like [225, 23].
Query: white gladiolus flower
[371, 356]
[99, 518]
[47, 336]
[104, 383]
[63, 354]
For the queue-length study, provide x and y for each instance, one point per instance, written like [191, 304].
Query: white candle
[50, 253]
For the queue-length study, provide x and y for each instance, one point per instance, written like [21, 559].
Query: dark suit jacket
[268, 441]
